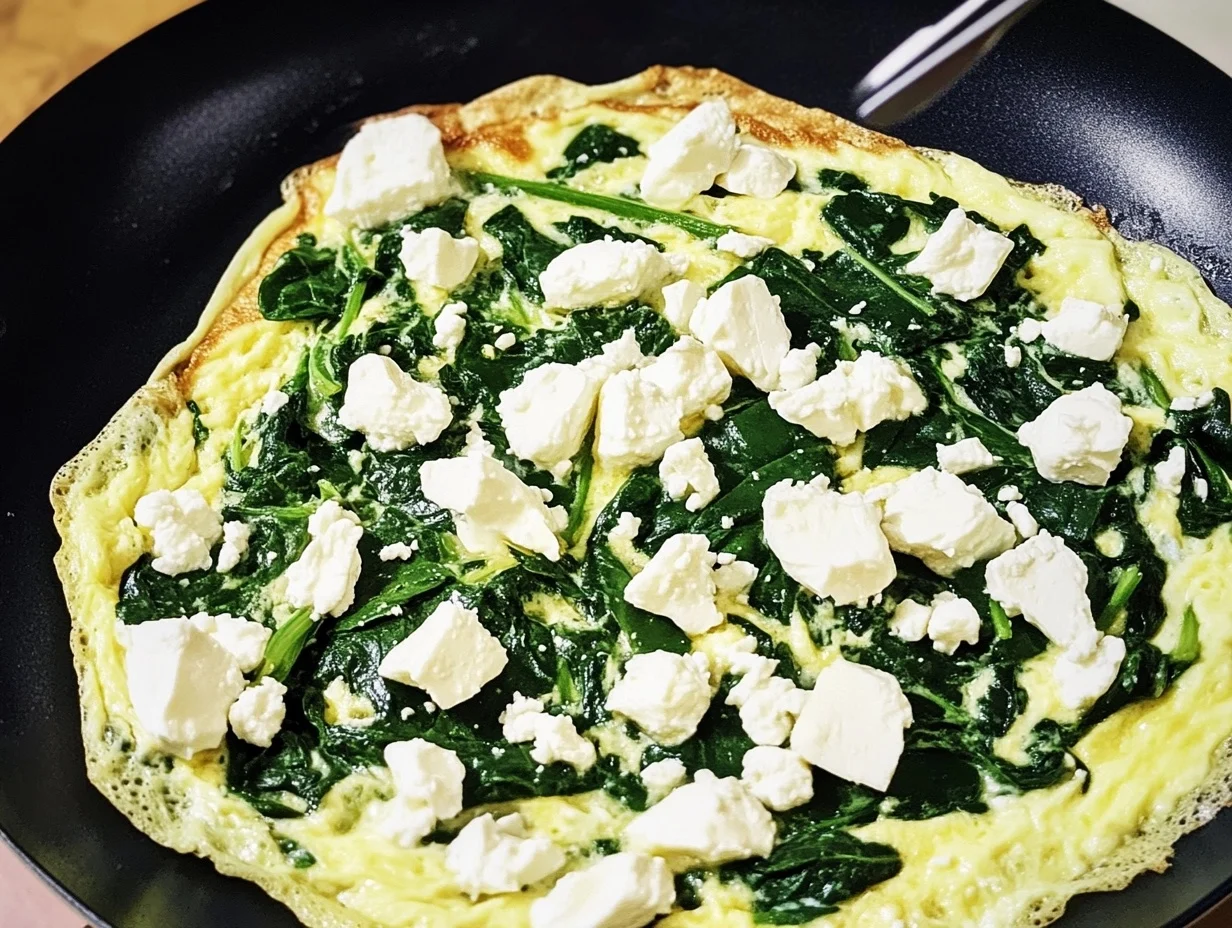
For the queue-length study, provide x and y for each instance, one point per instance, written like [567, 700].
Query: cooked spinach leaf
[595, 143]
[305, 283]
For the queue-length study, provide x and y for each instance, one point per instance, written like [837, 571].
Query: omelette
[662, 502]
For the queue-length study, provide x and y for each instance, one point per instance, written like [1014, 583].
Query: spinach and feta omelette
[662, 503]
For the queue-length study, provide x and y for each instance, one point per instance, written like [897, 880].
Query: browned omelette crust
[499, 120]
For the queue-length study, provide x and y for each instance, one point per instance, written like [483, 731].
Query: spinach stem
[1130, 577]
[901, 291]
[1188, 647]
[355, 299]
[285, 645]
[618, 206]
[1000, 621]
[1154, 387]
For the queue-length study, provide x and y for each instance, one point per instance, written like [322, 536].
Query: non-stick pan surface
[123, 198]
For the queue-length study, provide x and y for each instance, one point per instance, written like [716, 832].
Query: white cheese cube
[235, 537]
[519, 719]
[686, 159]
[273, 401]
[426, 775]
[964, 456]
[768, 709]
[962, 257]
[398, 551]
[1009, 493]
[435, 257]
[1079, 437]
[910, 620]
[1086, 328]
[692, 373]
[830, 542]
[1169, 473]
[852, 398]
[1081, 681]
[606, 273]
[557, 740]
[257, 715]
[636, 421]
[678, 584]
[1029, 330]
[743, 323]
[546, 417]
[799, 367]
[779, 777]
[492, 507]
[622, 354]
[1190, 403]
[944, 522]
[1022, 519]
[493, 855]
[183, 528]
[244, 639]
[665, 694]
[392, 409]
[1013, 355]
[852, 724]
[451, 655]
[181, 682]
[449, 327]
[709, 821]
[392, 168]
[405, 823]
[686, 471]
[742, 245]
[757, 171]
[617, 891]
[663, 776]
[679, 301]
[324, 576]
[735, 578]
[1046, 582]
[953, 621]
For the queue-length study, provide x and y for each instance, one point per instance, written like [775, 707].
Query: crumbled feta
[428, 784]
[546, 417]
[962, 257]
[606, 273]
[617, 891]
[742, 245]
[964, 456]
[799, 367]
[257, 715]
[557, 740]
[626, 529]
[852, 724]
[692, 373]
[183, 527]
[491, 506]
[404, 823]
[757, 171]
[1022, 519]
[392, 409]
[435, 257]
[679, 301]
[181, 682]
[910, 620]
[735, 578]
[1029, 330]
[830, 542]
[451, 655]
[678, 583]
[324, 576]
[392, 168]
[944, 522]
[743, 323]
[345, 707]
[449, 327]
[491, 855]
[1201, 488]
[519, 718]
[1079, 437]
[1046, 582]
[235, 537]
[398, 551]
[852, 398]
[1190, 403]
[1086, 328]
[1013, 355]
[621, 354]
[710, 820]
[273, 401]
[665, 694]
[780, 778]
[636, 421]
[687, 158]
[768, 704]
[663, 776]
[953, 621]
[243, 639]
[1081, 681]
[1170, 471]
[505, 341]
[1009, 493]
[686, 471]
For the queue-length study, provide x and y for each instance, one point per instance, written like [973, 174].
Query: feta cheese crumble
[830, 542]
[324, 576]
[1021, 518]
[679, 301]
[780, 778]
[428, 788]
[663, 776]
[546, 417]
[243, 639]
[742, 245]
[1086, 329]
[852, 724]
[757, 171]
[687, 158]
[691, 373]
[1079, 437]
[183, 527]
[743, 323]
[392, 409]
[1170, 472]
[451, 655]
[606, 273]
[435, 257]
[1081, 681]
[636, 421]
[964, 456]
[449, 327]
[392, 168]
[799, 367]
[678, 583]
[556, 737]
[235, 537]
[491, 855]
[617, 891]
[768, 704]
[948, 620]
[665, 694]
[257, 715]
[710, 821]
[398, 551]
[962, 257]
[686, 471]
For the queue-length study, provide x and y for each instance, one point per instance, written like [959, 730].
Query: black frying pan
[123, 198]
